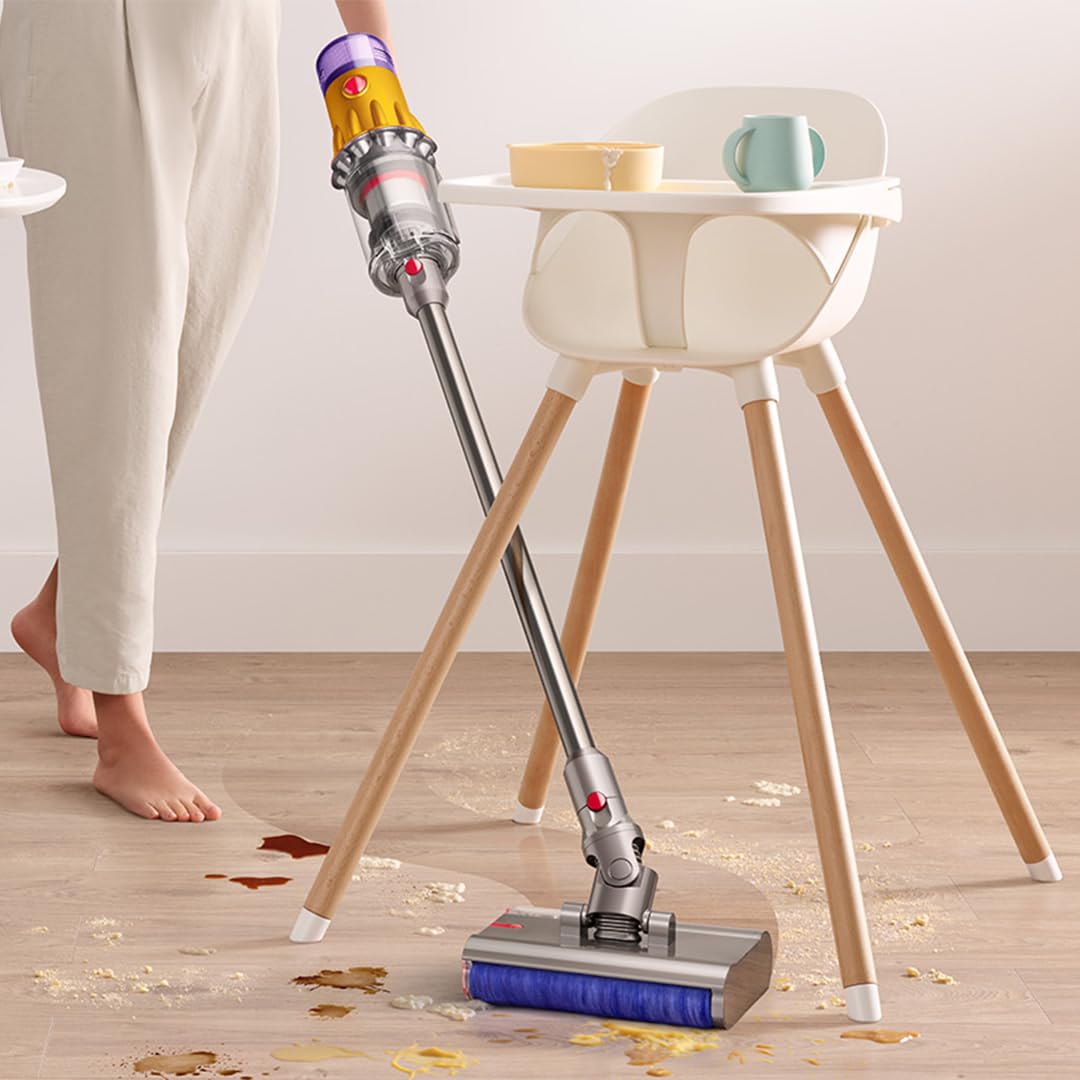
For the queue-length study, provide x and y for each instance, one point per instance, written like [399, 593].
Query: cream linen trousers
[163, 117]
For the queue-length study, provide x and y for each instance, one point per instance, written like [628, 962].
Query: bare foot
[134, 771]
[34, 630]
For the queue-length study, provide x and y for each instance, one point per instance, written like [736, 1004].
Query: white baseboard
[287, 602]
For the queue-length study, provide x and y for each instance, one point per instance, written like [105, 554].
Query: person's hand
[366, 17]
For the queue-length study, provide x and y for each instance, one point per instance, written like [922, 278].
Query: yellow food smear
[415, 1060]
[658, 1072]
[651, 1045]
[315, 1051]
[737, 1055]
[811, 1061]
[587, 1040]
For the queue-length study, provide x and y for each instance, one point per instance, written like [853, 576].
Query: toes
[165, 811]
[179, 809]
[211, 811]
[147, 810]
[193, 811]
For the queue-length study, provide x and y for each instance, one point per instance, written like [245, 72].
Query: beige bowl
[599, 166]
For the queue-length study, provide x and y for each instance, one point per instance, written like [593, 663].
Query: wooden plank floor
[281, 741]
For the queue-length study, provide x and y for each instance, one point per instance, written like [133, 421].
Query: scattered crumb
[940, 977]
[866, 846]
[692, 833]
[196, 950]
[114, 937]
[658, 1071]
[402, 913]
[103, 973]
[373, 862]
[912, 973]
[793, 888]
[837, 1002]
[811, 1061]
[431, 931]
[147, 969]
[452, 1011]
[411, 1001]
[237, 976]
[761, 802]
[667, 823]
[141, 988]
[439, 892]
[737, 1055]
[822, 1005]
[784, 985]
[921, 920]
[771, 787]
[729, 798]
[39, 929]
[886, 843]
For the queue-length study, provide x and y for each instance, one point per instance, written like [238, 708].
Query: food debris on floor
[314, 1051]
[649, 1045]
[783, 985]
[438, 892]
[415, 1060]
[431, 931]
[880, 1035]
[368, 979]
[452, 1011]
[773, 787]
[940, 977]
[330, 1012]
[761, 802]
[411, 1001]
[175, 1064]
[374, 862]
[912, 973]
[667, 824]
[39, 929]
[196, 950]
[296, 846]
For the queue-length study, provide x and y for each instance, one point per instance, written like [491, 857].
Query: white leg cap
[526, 815]
[309, 928]
[863, 1003]
[1047, 870]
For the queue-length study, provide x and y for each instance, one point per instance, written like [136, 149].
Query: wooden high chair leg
[434, 665]
[812, 712]
[588, 585]
[922, 596]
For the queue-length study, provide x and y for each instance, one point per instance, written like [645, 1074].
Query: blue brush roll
[620, 999]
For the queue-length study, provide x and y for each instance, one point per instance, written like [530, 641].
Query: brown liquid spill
[215, 877]
[368, 979]
[526, 1029]
[331, 1012]
[175, 1064]
[260, 882]
[293, 845]
[880, 1035]
[228, 1072]
[502, 1040]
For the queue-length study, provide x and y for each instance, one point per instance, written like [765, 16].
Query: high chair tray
[33, 190]
[876, 197]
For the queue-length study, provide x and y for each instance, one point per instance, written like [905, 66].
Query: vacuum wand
[385, 164]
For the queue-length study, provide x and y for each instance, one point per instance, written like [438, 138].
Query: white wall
[325, 504]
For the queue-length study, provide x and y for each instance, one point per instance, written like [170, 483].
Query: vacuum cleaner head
[693, 976]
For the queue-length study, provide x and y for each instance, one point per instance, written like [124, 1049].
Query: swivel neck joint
[612, 842]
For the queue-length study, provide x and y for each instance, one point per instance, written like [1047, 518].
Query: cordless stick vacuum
[614, 956]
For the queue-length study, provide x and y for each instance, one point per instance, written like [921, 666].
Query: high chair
[698, 274]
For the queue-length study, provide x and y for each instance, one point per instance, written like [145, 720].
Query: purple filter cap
[351, 51]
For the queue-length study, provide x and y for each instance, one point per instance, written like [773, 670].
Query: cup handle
[730, 147]
[817, 144]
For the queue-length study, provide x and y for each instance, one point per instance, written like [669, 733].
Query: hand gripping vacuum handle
[385, 163]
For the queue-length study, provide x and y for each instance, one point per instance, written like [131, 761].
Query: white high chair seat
[720, 288]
